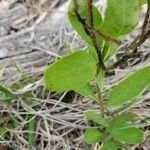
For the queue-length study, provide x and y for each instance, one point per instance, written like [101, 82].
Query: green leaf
[71, 72]
[128, 134]
[131, 87]
[31, 129]
[109, 50]
[87, 91]
[3, 131]
[6, 98]
[109, 146]
[78, 26]
[142, 2]
[91, 115]
[7, 94]
[112, 145]
[100, 79]
[120, 130]
[121, 120]
[91, 50]
[82, 6]
[6, 91]
[121, 17]
[92, 136]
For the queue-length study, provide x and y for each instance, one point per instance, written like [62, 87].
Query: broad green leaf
[91, 115]
[121, 120]
[87, 91]
[112, 145]
[79, 27]
[128, 89]
[70, 72]
[121, 17]
[92, 135]
[122, 131]
[128, 134]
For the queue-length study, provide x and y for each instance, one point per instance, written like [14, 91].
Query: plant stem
[100, 102]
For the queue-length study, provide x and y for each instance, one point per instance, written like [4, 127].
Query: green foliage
[82, 6]
[121, 17]
[100, 79]
[5, 90]
[91, 115]
[31, 129]
[87, 91]
[109, 50]
[70, 72]
[121, 130]
[121, 120]
[75, 71]
[128, 134]
[130, 87]
[6, 95]
[112, 145]
[78, 26]
[92, 136]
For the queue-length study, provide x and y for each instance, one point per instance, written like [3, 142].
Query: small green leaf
[82, 6]
[128, 134]
[71, 72]
[92, 135]
[91, 115]
[6, 98]
[97, 20]
[100, 79]
[121, 17]
[31, 129]
[109, 50]
[6, 91]
[7, 94]
[87, 91]
[112, 145]
[3, 131]
[131, 87]
[120, 130]
[121, 119]
[91, 50]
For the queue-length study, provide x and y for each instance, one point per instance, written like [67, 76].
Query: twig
[105, 37]
[90, 11]
[146, 18]
[124, 58]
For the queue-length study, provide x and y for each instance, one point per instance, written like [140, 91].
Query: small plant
[75, 71]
